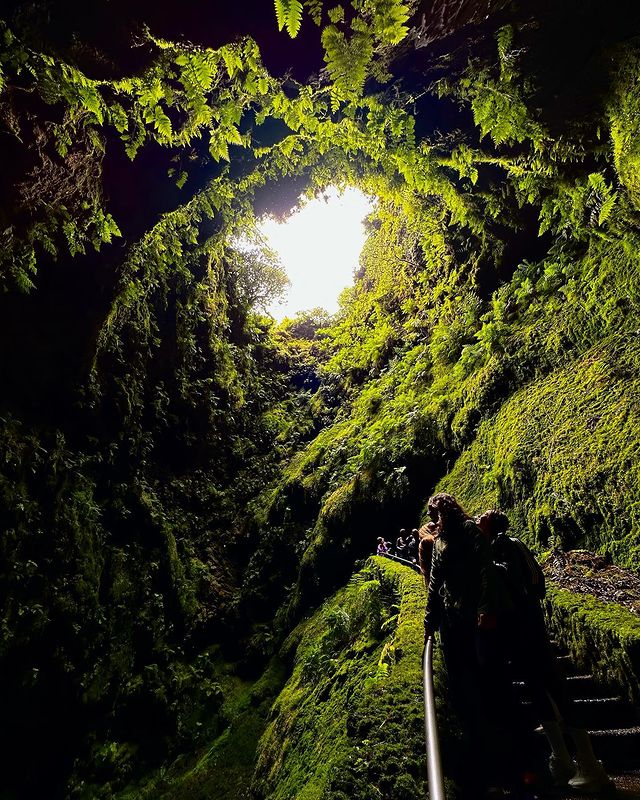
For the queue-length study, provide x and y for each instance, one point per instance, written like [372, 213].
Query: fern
[347, 62]
[336, 14]
[314, 7]
[289, 16]
[294, 18]
[504, 39]
[281, 13]
[389, 20]
[606, 208]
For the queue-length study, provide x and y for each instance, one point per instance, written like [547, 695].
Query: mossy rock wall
[355, 693]
[562, 455]
[602, 638]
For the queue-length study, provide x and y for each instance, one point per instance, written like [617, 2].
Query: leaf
[218, 147]
[281, 13]
[314, 7]
[162, 124]
[504, 38]
[607, 208]
[294, 18]
[118, 118]
[91, 100]
[233, 136]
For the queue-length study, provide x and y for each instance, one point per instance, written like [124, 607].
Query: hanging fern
[347, 61]
[314, 7]
[289, 16]
[389, 20]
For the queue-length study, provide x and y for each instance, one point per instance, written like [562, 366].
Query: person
[427, 536]
[400, 544]
[410, 546]
[416, 542]
[463, 603]
[529, 650]
[382, 547]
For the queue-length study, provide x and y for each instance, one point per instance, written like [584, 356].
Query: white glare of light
[319, 247]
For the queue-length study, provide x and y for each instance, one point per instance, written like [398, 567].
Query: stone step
[585, 686]
[594, 712]
[603, 712]
[579, 687]
[627, 786]
[566, 665]
[617, 747]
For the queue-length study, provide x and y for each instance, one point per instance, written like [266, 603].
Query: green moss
[221, 770]
[602, 638]
[355, 692]
[468, 345]
[624, 114]
[562, 455]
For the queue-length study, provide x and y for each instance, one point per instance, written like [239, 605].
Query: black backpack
[519, 568]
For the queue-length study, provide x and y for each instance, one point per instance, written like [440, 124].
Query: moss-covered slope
[603, 638]
[562, 455]
[349, 721]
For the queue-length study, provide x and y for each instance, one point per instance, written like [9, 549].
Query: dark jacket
[463, 581]
[518, 569]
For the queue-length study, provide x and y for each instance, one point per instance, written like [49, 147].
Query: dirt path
[582, 571]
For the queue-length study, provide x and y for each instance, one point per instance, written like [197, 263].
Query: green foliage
[289, 15]
[438, 377]
[115, 608]
[602, 638]
[347, 62]
[560, 455]
[222, 469]
[223, 768]
[255, 270]
[623, 120]
[498, 96]
[355, 691]
[350, 49]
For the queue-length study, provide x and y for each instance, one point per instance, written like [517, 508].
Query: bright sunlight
[319, 247]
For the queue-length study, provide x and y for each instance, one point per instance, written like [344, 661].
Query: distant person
[532, 658]
[410, 547]
[416, 539]
[400, 544]
[382, 547]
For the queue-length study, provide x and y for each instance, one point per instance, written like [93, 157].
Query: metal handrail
[434, 762]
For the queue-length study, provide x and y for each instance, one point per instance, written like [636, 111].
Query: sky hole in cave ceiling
[319, 246]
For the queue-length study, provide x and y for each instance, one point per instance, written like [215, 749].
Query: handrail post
[434, 766]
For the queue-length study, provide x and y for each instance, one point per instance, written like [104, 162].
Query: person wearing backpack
[528, 647]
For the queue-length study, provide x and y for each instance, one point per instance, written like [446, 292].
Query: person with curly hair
[465, 599]
[463, 590]
[426, 539]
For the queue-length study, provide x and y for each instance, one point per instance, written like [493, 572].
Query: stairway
[614, 726]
